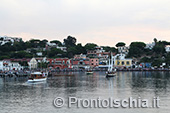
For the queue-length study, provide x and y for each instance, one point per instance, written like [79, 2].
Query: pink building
[94, 62]
[80, 61]
[60, 63]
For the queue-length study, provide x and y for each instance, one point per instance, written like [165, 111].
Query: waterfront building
[7, 65]
[33, 64]
[94, 62]
[99, 53]
[145, 65]
[121, 61]
[41, 59]
[80, 61]
[15, 66]
[59, 63]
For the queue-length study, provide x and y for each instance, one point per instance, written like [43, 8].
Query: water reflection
[17, 96]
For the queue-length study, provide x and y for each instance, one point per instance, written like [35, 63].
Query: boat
[110, 72]
[37, 77]
[88, 72]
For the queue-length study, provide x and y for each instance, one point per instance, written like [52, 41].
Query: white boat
[37, 77]
[110, 72]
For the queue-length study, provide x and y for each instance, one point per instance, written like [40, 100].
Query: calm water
[17, 96]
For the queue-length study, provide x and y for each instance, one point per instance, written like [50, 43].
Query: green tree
[54, 52]
[155, 40]
[120, 44]
[70, 41]
[90, 46]
[80, 49]
[136, 49]
[112, 49]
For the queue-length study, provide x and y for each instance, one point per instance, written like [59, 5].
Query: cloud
[100, 21]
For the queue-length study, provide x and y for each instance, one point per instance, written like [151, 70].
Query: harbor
[18, 95]
[84, 56]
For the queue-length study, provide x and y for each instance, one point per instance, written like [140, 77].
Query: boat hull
[110, 74]
[37, 80]
[88, 73]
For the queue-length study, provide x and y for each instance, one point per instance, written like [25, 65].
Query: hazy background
[104, 22]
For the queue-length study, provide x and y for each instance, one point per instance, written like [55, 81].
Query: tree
[56, 42]
[120, 44]
[107, 49]
[80, 49]
[70, 41]
[90, 46]
[145, 59]
[54, 52]
[136, 49]
[43, 43]
[71, 51]
[159, 48]
[155, 40]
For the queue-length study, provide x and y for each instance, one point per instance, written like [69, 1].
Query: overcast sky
[104, 22]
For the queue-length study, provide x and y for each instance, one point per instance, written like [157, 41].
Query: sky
[104, 22]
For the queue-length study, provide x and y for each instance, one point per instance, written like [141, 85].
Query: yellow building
[123, 62]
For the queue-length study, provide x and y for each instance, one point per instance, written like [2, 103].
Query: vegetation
[120, 44]
[137, 50]
[30, 48]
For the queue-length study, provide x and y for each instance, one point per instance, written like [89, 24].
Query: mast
[111, 62]
[109, 65]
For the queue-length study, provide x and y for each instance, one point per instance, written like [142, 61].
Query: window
[118, 63]
[91, 63]
[123, 62]
[127, 62]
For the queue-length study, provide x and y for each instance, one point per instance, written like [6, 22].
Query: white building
[41, 60]
[1, 65]
[6, 39]
[39, 53]
[62, 48]
[33, 64]
[167, 48]
[56, 46]
[150, 45]
[8, 65]
[99, 49]
[123, 50]
[51, 44]
[15, 66]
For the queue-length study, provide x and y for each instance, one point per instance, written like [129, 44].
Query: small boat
[110, 72]
[37, 77]
[89, 72]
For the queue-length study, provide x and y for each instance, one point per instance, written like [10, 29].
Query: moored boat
[89, 72]
[110, 74]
